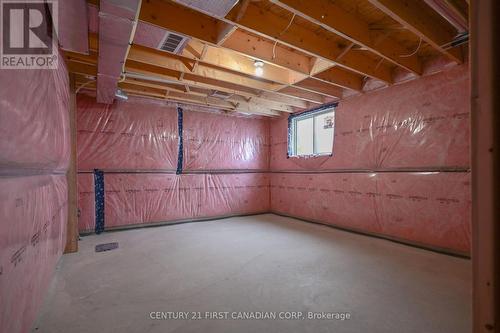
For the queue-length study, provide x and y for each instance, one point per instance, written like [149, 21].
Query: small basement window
[311, 133]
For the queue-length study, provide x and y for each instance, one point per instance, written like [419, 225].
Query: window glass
[305, 136]
[323, 133]
[312, 133]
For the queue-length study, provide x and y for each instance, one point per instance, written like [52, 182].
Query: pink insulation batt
[131, 135]
[136, 144]
[34, 157]
[419, 124]
[33, 236]
[34, 132]
[399, 167]
[215, 141]
[149, 198]
[426, 208]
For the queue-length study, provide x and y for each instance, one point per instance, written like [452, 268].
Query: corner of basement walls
[135, 143]
[399, 170]
[34, 158]
[400, 167]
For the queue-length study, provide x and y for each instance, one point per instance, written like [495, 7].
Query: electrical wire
[276, 42]
[82, 86]
[414, 52]
[379, 63]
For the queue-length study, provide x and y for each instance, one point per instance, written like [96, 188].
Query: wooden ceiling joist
[232, 60]
[260, 102]
[298, 65]
[82, 68]
[161, 92]
[417, 17]
[317, 86]
[86, 70]
[268, 24]
[304, 94]
[152, 57]
[333, 18]
[182, 64]
[265, 48]
[340, 77]
[199, 100]
[153, 72]
[312, 50]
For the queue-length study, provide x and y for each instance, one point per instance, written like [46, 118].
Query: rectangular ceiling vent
[220, 94]
[173, 43]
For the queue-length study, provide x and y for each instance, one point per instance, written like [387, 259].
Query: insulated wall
[136, 144]
[399, 166]
[34, 157]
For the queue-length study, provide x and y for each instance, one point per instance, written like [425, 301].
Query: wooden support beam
[334, 18]
[200, 100]
[292, 101]
[341, 77]
[178, 63]
[280, 102]
[304, 94]
[259, 102]
[317, 86]
[485, 165]
[262, 48]
[71, 176]
[151, 57]
[422, 21]
[228, 59]
[93, 42]
[210, 83]
[262, 23]
[83, 69]
[265, 23]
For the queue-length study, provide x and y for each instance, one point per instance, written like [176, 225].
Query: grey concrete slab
[259, 265]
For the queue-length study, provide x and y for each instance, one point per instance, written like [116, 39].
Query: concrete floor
[263, 263]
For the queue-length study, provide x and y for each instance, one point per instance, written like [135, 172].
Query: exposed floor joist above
[310, 52]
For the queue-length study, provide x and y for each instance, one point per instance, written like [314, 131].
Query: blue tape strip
[99, 200]
[180, 155]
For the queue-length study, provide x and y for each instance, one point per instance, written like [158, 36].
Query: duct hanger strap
[99, 200]
[180, 154]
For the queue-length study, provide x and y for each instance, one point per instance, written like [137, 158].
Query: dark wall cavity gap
[180, 154]
[99, 200]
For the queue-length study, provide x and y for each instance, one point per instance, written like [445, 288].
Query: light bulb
[259, 71]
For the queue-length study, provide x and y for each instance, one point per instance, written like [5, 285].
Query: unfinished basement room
[249, 166]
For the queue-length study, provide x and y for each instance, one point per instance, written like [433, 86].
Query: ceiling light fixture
[259, 67]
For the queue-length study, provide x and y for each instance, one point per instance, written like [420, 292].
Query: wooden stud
[71, 177]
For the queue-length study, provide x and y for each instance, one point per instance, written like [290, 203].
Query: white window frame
[292, 130]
